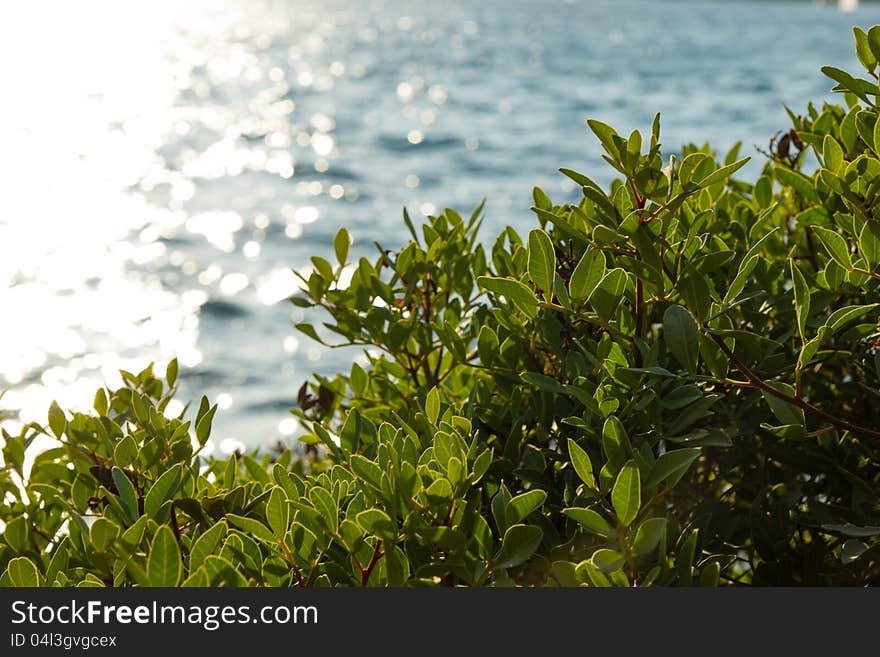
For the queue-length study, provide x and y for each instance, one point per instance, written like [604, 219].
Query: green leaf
[579, 178]
[487, 345]
[672, 465]
[171, 371]
[682, 339]
[590, 520]
[309, 330]
[863, 49]
[396, 571]
[439, 492]
[876, 137]
[562, 227]
[808, 352]
[786, 431]
[723, 173]
[164, 565]
[204, 405]
[518, 545]
[660, 372]
[543, 382]
[198, 578]
[341, 244]
[449, 539]
[221, 572]
[367, 470]
[832, 153]
[377, 523]
[694, 289]
[60, 559]
[626, 494]
[587, 572]
[587, 275]
[203, 426]
[609, 293]
[278, 512]
[22, 572]
[323, 268]
[140, 408]
[606, 135]
[432, 405]
[615, 442]
[17, 534]
[125, 452]
[542, 262]
[869, 241]
[681, 397]
[764, 192]
[519, 508]
[561, 292]
[57, 421]
[784, 411]
[846, 82]
[133, 536]
[648, 535]
[82, 489]
[852, 550]
[843, 316]
[607, 560]
[255, 469]
[854, 531]
[542, 201]
[803, 186]
[102, 533]
[801, 299]
[100, 403]
[849, 134]
[874, 41]
[514, 291]
[252, 527]
[205, 544]
[835, 245]
[163, 490]
[633, 149]
[581, 462]
[325, 503]
[127, 494]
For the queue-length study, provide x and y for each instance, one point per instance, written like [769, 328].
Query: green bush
[672, 382]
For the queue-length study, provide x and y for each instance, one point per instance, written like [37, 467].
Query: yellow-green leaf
[514, 291]
[626, 494]
[580, 460]
[163, 490]
[164, 564]
[587, 274]
[682, 339]
[801, 299]
[542, 262]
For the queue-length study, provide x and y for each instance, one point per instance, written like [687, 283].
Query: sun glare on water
[87, 96]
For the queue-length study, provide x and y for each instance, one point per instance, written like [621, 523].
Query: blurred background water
[165, 165]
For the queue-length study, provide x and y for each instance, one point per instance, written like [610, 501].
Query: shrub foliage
[673, 381]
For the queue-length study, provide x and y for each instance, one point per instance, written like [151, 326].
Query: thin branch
[756, 382]
[365, 573]
[866, 272]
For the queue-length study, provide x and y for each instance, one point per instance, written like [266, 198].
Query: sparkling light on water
[166, 165]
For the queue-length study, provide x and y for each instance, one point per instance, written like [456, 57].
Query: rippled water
[165, 165]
